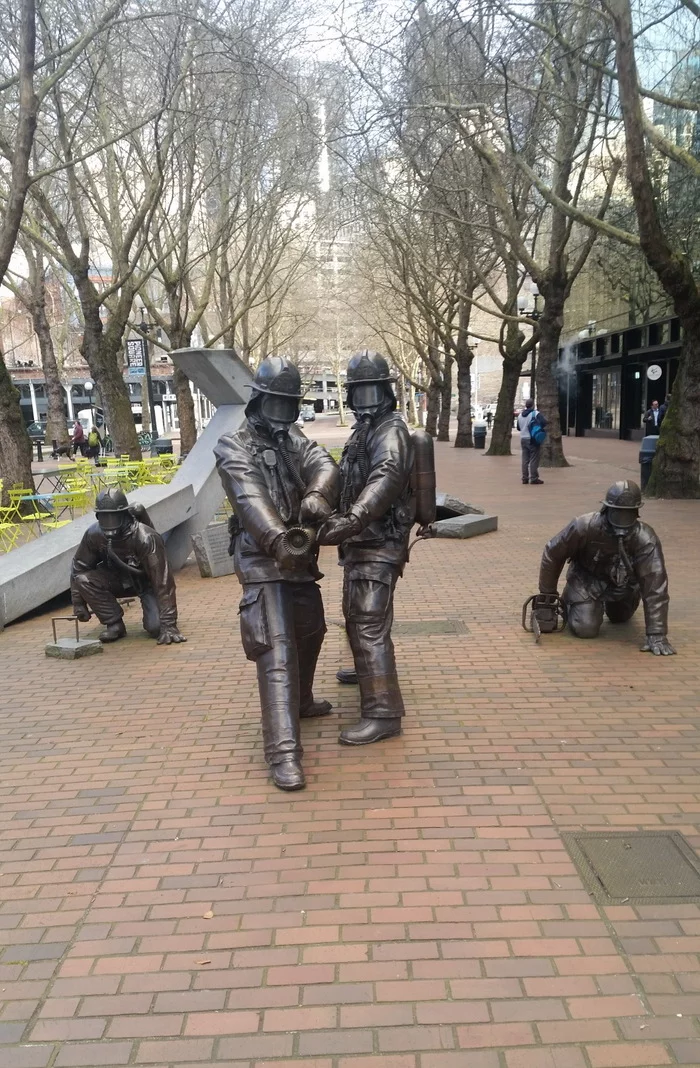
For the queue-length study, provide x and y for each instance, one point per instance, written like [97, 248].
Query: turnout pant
[99, 590]
[368, 607]
[585, 613]
[282, 630]
[530, 454]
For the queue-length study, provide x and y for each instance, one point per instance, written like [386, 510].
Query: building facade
[608, 381]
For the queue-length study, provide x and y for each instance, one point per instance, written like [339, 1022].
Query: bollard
[39, 453]
[646, 458]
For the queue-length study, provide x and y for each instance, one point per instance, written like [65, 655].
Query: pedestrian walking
[94, 444]
[530, 449]
[78, 438]
[489, 418]
[653, 419]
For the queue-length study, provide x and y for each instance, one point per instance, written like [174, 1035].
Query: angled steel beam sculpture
[40, 570]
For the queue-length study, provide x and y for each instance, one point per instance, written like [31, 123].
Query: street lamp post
[145, 327]
[88, 387]
[533, 313]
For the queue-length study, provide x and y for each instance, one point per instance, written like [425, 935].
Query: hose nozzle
[299, 541]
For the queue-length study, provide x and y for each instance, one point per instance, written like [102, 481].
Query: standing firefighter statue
[377, 512]
[121, 555]
[615, 561]
[282, 487]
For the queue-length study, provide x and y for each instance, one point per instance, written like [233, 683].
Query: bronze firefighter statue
[615, 561]
[121, 555]
[377, 512]
[282, 487]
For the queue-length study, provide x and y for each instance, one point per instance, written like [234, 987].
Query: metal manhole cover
[643, 866]
[413, 628]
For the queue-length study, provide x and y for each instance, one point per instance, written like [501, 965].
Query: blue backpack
[538, 434]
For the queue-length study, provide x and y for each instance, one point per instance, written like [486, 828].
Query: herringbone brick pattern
[161, 904]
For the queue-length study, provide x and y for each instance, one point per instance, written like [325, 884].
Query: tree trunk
[104, 364]
[502, 433]
[443, 425]
[676, 469]
[677, 460]
[185, 410]
[401, 396]
[463, 439]
[15, 446]
[546, 381]
[433, 408]
[56, 422]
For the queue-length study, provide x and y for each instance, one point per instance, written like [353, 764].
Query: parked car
[37, 432]
[308, 414]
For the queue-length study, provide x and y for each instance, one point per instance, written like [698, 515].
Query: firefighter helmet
[367, 366]
[278, 376]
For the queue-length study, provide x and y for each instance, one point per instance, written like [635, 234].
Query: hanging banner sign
[136, 357]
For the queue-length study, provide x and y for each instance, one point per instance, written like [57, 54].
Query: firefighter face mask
[279, 413]
[622, 520]
[112, 523]
[367, 398]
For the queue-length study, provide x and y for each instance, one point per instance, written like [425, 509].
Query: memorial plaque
[211, 551]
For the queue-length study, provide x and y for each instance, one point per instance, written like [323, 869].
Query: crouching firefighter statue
[121, 555]
[377, 512]
[282, 486]
[615, 561]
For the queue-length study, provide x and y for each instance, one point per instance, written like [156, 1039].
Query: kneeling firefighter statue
[121, 555]
[282, 486]
[615, 561]
[388, 482]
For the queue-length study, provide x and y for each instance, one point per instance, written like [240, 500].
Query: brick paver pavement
[161, 904]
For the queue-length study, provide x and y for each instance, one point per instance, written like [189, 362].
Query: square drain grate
[416, 628]
[644, 867]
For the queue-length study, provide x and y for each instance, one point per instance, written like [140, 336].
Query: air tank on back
[423, 477]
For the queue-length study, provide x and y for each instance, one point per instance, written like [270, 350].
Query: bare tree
[32, 292]
[15, 446]
[676, 471]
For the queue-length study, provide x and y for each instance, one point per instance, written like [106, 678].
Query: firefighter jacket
[604, 566]
[375, 472]
[144, 565]
[266, 498]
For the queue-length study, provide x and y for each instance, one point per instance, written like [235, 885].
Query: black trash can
[162, 446]
[479, 432]
[646, 457]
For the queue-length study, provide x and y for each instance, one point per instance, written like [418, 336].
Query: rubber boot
[113, 632]
[348, 676]
[366, 731]
[315, 710]
[288, 774]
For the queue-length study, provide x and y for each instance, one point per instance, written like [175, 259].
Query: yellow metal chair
[60, 504]
[25, 511]
[9, 535]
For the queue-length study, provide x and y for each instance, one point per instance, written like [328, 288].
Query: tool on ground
[543, 613]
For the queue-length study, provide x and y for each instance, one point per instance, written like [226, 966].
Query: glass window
[606, 400]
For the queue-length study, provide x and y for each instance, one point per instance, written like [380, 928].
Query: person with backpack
[94, 444]
[531, 425]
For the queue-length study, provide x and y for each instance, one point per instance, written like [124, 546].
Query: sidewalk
[415, 907]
